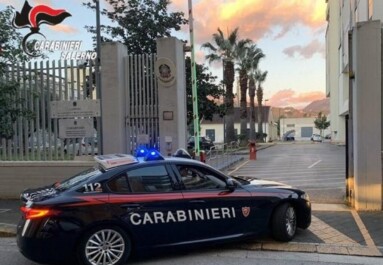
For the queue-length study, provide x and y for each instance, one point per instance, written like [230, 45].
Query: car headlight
[305, 196]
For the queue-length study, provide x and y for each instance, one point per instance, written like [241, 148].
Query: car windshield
[77, 179]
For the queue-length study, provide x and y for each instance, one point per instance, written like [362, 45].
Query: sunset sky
[291, 34]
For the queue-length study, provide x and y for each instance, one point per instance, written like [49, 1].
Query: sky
[291, 34]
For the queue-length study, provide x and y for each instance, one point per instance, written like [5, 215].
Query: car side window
[199, 178]
[143, 180]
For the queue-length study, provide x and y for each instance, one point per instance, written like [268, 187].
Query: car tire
[107, 242]
[284, 222]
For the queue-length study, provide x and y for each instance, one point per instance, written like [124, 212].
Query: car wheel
[104, 246]
[284, 223]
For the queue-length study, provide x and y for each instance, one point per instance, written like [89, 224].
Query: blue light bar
[153, 155]
[142, 152]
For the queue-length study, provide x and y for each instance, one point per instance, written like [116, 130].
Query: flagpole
[194, 84]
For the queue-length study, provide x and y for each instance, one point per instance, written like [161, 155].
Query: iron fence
[39, 83]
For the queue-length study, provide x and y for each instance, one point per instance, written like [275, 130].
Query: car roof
[110, 161]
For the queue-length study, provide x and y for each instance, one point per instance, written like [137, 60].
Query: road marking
[317, 162]
[363, 230]
[10, 225]
[231, 172]
[329, 234]
[4, 210]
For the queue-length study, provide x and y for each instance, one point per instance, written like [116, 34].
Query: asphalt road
[220, 255]
[317, 168]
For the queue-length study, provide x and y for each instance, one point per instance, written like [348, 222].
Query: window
[146, 179]
[198, 178]
[211, 134]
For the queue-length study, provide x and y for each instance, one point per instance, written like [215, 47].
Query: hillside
[318, 106]
[310, 110]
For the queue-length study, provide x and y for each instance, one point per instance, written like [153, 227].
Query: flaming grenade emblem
[33, 17]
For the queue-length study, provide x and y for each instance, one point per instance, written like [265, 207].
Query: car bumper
[44, 244]
[304, 214]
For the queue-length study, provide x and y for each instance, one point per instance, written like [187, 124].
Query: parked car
[129, 204]
[316, 138]
[82, 147]
[204, 143]
[43, 140]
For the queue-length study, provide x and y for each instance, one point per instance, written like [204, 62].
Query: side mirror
[230, 184]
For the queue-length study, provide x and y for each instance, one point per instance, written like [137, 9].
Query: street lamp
[264, 114]
[98, 74]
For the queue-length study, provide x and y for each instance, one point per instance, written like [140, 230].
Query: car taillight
[34, 213]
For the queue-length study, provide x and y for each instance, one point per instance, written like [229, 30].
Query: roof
[237, 115]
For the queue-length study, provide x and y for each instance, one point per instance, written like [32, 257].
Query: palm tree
[253, 70]
[224, 50]
[260, 77]
[247, 58]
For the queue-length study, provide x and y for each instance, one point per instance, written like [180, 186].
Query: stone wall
[18, 176]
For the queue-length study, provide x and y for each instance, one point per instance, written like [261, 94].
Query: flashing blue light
[142, 152]
[153, 155]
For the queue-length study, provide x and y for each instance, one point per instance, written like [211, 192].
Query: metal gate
[39, 83]
[142, 128]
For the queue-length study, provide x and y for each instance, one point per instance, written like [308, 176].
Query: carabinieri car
[131, 204]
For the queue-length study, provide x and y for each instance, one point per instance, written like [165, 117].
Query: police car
[138, 203]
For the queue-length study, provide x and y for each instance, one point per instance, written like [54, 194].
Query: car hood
[253, 181]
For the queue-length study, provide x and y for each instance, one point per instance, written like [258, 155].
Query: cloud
[255, 18]
[64, 29]
[21, 2]
[306, 51]
[291, 98]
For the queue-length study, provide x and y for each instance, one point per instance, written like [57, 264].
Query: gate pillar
[170, 72]
[113, 98]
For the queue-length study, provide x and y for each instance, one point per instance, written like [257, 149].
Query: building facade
[354, 86]
[215, 129]
[300, 128]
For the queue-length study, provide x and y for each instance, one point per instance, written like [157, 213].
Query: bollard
[253, 150]
[202, 156]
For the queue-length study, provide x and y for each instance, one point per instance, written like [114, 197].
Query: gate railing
[141, 102]
[222, 156]
[39, 84]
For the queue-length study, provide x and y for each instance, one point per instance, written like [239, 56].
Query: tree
[138, 23]
[11, 106]
[321, 123]
[10, 39]
[260, 77]
[208, 93]
[224, 50]
[247, 59]
[253, 74]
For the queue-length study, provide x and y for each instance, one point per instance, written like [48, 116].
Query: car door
[214, 211]
[147, 201]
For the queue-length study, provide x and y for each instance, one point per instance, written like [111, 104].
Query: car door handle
[197, 201]
[131, 206]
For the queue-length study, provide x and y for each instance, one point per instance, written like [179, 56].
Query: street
[317, 168]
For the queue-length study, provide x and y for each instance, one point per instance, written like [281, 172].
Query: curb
[319, 248]
[7, 230]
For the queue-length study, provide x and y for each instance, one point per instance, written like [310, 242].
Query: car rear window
[77, 179]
